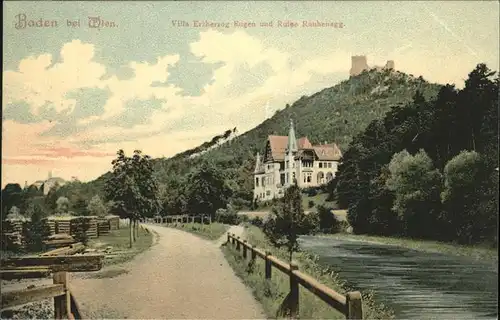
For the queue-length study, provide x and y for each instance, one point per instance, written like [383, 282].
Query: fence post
[294, 291]
[228, 237]
[244, 249]
[268, 265]
[254, 254]
[354, 305]
[232, 239]
[238, 244]
[62, 306]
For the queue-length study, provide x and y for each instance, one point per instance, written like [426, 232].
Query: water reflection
[415, 284]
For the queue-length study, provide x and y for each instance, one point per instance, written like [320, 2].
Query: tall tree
[466, 195]
[11, 196]
[96, 207]
[207, 190]
[285, 226]
[132, 188]
[416, 185]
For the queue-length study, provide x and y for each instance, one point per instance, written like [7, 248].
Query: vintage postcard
[250, 160]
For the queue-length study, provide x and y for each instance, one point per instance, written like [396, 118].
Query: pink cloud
[65, 152]
[27, 161]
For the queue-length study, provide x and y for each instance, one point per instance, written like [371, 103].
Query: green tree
[467, 214]
[96, 207]
[11, 196]
[133, 189]
[37, 229]
[207, 190]
[283, 228]
[51, 198]
[416, 185]
[327, 221]
[62, 206]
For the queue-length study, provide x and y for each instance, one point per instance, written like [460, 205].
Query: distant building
[286, 158]
[49, 183]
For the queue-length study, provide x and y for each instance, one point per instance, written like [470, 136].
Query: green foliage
[257, 221]
[470, 199]
[416, 185]
[62, 206]
[227, 216]
[453, 121]
[132, 187]
[36, 230]
[83, 227]
[11, 196]
[288, 220]
[97, 207]
[207, 190]
[51, 199]
[310, 204]
[327, 221]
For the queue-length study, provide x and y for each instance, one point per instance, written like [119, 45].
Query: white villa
[286, 159]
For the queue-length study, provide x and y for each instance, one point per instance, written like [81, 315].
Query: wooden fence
[185, 218]
[65, 305]
[350, 305]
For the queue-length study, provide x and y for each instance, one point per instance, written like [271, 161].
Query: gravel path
[180, 277]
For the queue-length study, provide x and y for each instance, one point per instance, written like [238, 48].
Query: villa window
[282, 165]
[307, 177]
[257, 181]
[320, 164]
[287, 165]
[268, 193]
[263, 181]
[282, 179]
[329, 164]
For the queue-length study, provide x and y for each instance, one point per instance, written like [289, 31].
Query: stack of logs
[103, 226]
[59, 240]
[12, 234]
[84, 224]
[114, 222]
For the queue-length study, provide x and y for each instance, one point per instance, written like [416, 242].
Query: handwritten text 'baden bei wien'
[263, 24]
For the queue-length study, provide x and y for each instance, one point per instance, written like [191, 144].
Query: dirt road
[180, 277]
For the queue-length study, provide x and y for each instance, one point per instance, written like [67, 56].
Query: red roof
[278, 146]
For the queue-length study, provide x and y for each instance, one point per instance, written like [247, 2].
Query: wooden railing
[350, 305]
[185, 218]
[65, 306]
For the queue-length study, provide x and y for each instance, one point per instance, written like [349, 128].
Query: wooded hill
[334, 114]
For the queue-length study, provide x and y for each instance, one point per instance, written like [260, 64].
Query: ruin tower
[358, 65]
[389, 65]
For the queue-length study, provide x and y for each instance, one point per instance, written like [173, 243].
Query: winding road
[180, 277]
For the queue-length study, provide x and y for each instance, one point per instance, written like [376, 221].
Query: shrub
[36, 230]
[328, 223]
[227, 217]
[257, 221]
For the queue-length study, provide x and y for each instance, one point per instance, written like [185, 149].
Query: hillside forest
[419, 160]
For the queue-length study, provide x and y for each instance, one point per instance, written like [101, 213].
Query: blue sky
[73, 96]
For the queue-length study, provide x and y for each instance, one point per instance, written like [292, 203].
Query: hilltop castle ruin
[359, 64]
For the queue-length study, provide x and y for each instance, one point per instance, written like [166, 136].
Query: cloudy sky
[73, 96]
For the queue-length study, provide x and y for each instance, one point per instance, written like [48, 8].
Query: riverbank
[271, 294]
[477, 252]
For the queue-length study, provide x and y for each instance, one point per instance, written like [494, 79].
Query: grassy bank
[477, 252]
[207, 231]
[119, 242]
[271, 294]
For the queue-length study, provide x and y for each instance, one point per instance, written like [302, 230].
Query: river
[415, 284]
